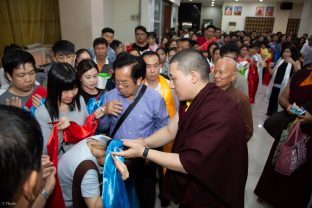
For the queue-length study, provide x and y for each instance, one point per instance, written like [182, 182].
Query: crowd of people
[172, 100]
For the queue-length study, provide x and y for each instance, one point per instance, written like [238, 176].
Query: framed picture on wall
[228, 10]
[269, 11]
[260, 11]
[237, 10]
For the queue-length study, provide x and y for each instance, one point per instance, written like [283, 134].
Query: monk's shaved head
[227, 63]
[225, 72]
[189, 60]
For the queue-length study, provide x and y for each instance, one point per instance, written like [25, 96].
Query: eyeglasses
[123, 83]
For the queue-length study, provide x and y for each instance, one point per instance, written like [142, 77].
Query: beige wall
[249, 9]
[214, 13]
[75, 17]
[306, 17]
[125, 19]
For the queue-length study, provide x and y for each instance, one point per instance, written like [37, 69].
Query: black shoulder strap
[79, 173]
[129, 109]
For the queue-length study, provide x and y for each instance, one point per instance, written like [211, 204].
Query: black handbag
[277, 122]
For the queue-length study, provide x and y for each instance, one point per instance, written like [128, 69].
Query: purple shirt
[149, 115]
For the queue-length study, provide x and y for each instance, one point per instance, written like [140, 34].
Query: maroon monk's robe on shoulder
[212, 149]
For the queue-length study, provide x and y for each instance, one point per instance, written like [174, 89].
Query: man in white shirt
[306, 51]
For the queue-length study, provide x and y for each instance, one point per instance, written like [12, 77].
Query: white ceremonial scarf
[283, 84]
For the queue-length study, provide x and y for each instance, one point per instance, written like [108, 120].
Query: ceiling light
[261, 0]
[236, 0]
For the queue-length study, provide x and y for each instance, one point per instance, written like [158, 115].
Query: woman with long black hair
[63, 104]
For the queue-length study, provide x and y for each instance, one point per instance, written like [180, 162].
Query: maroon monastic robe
[212, 148]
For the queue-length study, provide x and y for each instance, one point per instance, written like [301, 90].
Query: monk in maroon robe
[209, 161]
[212, 149]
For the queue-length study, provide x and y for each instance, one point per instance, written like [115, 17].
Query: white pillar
[306, 16]
[75, 19]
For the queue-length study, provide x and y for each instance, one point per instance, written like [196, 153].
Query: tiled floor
[258, 150]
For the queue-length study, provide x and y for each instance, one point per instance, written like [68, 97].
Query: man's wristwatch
[45, 194]
[145, 152]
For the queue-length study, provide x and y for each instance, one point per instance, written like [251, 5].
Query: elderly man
[231, 50]
[147, 116]
[208, 163]
[224, 74]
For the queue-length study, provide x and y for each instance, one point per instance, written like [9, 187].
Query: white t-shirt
[5, 84]
[67, 165]
[176, 100]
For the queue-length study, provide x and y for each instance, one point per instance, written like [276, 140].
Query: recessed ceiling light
[261, 0]
[236, 0]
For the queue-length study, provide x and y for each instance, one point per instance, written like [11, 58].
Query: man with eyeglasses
[224, 74]
[148, 115]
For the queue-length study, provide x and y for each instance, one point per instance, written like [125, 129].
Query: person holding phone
[294, 190]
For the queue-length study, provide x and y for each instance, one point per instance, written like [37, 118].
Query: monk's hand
[136, 149]
[305, 118]
[14, 101]
[36, 99]
[121, 167]
[63, 123]
[141, 140]
[113, 107]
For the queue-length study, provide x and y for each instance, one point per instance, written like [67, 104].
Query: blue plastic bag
[114, 194]
[33, 108]
[95, 102]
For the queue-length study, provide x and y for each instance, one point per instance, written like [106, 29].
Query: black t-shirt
[86, 96]
[141, 49]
